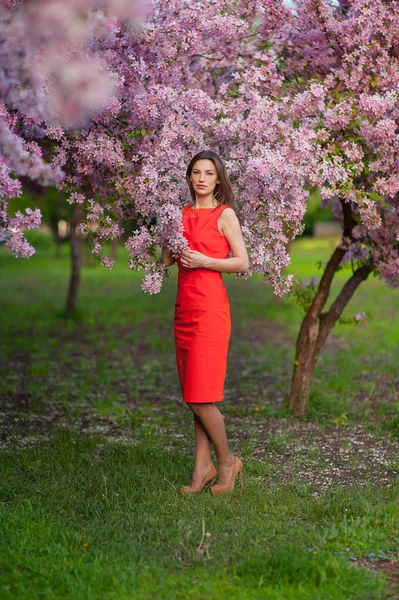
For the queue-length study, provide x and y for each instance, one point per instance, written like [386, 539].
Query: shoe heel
[187, 489]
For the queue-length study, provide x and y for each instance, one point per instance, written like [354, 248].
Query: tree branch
[345, 295]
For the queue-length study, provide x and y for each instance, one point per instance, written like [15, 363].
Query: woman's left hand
[191, 259]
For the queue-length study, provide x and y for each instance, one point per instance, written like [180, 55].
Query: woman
[202, 314]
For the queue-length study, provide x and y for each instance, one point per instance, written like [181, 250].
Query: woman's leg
[212, 422]
[203, 460]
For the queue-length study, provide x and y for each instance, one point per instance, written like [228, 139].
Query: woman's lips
[201, 186]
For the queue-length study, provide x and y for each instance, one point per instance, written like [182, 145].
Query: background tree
[343, 59]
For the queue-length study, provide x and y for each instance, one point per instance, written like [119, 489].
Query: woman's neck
[205, 201]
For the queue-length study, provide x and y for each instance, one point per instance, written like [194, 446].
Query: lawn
[95, 443]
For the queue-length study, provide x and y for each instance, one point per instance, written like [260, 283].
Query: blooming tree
[291, 96]
[53, 80]
[343, 59]
[184, 81]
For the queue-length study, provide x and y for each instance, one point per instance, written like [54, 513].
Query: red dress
[202, 312]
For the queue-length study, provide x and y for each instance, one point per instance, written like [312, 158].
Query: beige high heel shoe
[187, 489]
[220, 488]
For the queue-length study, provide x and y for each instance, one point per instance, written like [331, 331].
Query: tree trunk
[76, 263]
[305, 363]
[312, 337]
[317, 325]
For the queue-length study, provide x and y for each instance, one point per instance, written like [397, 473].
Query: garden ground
[95, 443]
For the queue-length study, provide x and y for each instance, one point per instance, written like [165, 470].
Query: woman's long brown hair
[223, 191]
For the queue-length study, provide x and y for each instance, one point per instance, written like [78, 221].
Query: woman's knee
[198, 408]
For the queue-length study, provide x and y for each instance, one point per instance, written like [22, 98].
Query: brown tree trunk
[76, 262]
[312, 337]
[317, 325]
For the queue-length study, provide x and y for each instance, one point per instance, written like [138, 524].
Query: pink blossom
[152, 281]
[95, 211]
[19, 245]
[76, 198]
[107, 262]
[360, 317]
[290, 100]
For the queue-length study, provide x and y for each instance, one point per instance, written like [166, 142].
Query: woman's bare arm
[238, 263]
[167, 258]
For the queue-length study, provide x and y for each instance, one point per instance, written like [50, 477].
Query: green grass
[96, 443]
[85, 519]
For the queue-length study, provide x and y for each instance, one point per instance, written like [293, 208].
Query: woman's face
[204, 177]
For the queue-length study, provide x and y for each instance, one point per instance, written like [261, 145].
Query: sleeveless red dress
[202, 313]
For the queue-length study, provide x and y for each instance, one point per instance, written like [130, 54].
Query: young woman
[202, 314]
